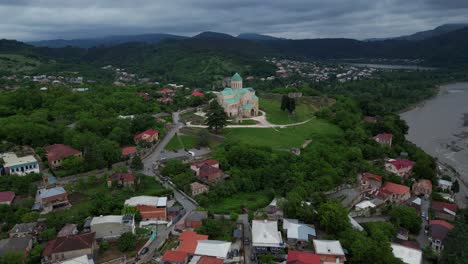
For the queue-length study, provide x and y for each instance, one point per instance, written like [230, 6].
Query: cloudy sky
[49, 19]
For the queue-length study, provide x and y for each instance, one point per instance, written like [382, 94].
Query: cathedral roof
[236, 77]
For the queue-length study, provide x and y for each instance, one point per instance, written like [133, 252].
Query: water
[392, 67]
[440, 126]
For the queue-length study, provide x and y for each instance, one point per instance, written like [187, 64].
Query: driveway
[244, 219]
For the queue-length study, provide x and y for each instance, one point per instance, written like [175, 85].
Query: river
[393, 67]
[440, 126]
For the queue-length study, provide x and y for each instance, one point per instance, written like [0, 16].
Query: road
[244, 219]
[422, 237]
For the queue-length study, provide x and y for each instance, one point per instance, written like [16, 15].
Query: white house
[213, 248]
[297, 231]
[265, 235]
[19, 165]
[445, 185]
[406, 254]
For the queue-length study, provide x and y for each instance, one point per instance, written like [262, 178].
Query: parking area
[182, 153]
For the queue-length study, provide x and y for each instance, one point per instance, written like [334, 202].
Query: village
[172, 227]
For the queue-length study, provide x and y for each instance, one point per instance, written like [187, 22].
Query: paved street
[422, 237]
[244, 219]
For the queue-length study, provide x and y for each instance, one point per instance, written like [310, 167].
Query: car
[191, 153]
[235, 253]
[246, 241]
[466, 196]
[144, 251]
[423, 215]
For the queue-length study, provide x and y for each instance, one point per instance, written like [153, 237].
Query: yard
[272, 107]
[235, 203]
[182, 142]
[189, 138]
[284, 138]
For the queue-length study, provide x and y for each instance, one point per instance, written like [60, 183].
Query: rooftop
[395, 188]
[189, 241]
[401, 163]
[7, 197]
[302, 257]
[406, 254]
[328, 247]
[24, 228]
[69, 243]
[85, 259]
[236, 77]
[103, 219]
[265, 234]
[14, 244]
[174, 256]
[146, 200]
[46, 193]
[59, 152]
[11, 159]
[213, 248]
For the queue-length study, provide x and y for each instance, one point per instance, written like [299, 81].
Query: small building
[266, 237]
[396, 192]
[445, 185]
[298, 232]
[20, 166]
[68, 230]
[69, 247]
[195, 167]
[384, 139]
[205, 260]
[400, 167]
[422, 187]
[443, 210]
[24, 230]
[213, 248]
[300, 257]
[150, 207]
[370, 181]
[49, 199]
[121, 180]
[365, 205]
[148, 136]
[129, 152]
[197, 93]
[195, 219]
[110, 227]
[198, 188]
[16, 244]
[7, 197]
[174, 257]
[402, 234]
[408, 255]
[58, 152]
[210, 174]
[329, 251]
[189, 241]
[437, 232]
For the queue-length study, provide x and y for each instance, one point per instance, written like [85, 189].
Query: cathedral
[238, 101]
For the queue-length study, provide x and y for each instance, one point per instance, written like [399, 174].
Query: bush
[126, 242]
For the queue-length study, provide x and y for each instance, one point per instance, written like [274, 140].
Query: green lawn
[284, 138]
[235, 203]
[182, 141]
[275, 116]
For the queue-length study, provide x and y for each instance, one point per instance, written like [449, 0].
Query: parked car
[235, 253]
[144, 251]
[191, 153]
[246, 241]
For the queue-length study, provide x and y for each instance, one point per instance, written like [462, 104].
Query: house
[174, 257]
[68, 230]
[7, 197]
[112, 226]
[446, 211]
[370, 181]
[205, 260]
[396, 192]
[21, 166]
[266, 237]
[445, 185]
[56, 153]
[329, 251]
[148, 136]
[400, 167]
[238, 101]
[189, 241]
[121, 180]
[298, 232]
[272, 207]
[49, 199]
[85, 259]
[213, 248]
[195, 167]
[408, 255]
[438, 231]
[198, 188]
[167, 92]
[422, 187]
[129, 152]
[16, 244]
[69, 247]
[370, 119]
[299, 257]
[24, 230]
[384, 139]
[210, 174]
[197, 93]
[195, 219]
[365, 205]
[150, 207]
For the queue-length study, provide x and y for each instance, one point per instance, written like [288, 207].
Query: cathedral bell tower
[236, 81]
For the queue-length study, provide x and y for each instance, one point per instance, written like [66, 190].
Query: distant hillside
[105, 41]
[212, 35]
[440, 30]
[255, 36]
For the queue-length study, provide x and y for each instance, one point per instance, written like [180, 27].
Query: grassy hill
[17, 63]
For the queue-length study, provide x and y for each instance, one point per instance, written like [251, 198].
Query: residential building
[443, 210]
[49, 199]
[69, 247]
[396, 192]
[422, 187]
[370, 119]
[195, 167]
[210, 174]
[174, 257]
[150, 207]
[112, 226]
[238, 101]
[24, 230]
[197, 93]
[148, 136]
[205, 260]
[408, 255]
[68, 230]
[198, 188]
[121, 180]
[16, 244]
[21, 166]
[329, 251]
[445, 185]
[85, 259]
[437, 232]
[195, 219]
[129, 152]
[384, 139]
[58, 152]
[300, 257]
[213, 248]
[189, 241]
[370, 181]
[400, 167]
[298, 232]
[266, 237]
[7, 197]
[402, 234]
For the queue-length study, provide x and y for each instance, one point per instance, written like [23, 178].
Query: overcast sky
[49, 19]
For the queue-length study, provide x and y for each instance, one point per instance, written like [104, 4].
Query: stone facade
[238, 101]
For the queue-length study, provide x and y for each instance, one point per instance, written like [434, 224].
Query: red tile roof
[128, 150]
[369, 176]
[69, 243]
[439, 206]
[126, 177]
[166, 90]
[385, 136]
[197, 93]
[208, 162]
[401, 163]
[197, 186]
[396, 188]
[443, 223]
[59, 152]
[174, 256]
[151, 212]
[302, 257]
[439, 229]
[189, 241]
[7, 197]
[370, 119]
[149, 132]
[209, 260]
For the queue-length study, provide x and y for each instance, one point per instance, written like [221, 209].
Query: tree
[202, 140]
[132, 210]
[457, 242]
[12, 258]
[284, 102]
[73, 164]
[137, 164]
[291, 105]
[126, 242]
[30, 217]
[48, 234]
[333, 217]
[406, 217]
[217, 118]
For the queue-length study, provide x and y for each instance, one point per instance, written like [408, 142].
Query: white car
[191, 153]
